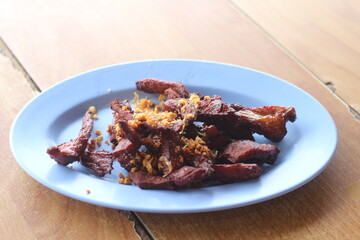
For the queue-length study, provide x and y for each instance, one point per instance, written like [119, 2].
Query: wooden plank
[64, 39]
[28, 209]
[323, 35]
[211, 30]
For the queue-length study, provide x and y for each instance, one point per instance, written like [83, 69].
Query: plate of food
[173, 136]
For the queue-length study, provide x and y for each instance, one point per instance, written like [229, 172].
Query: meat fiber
[187, 176]
[147, 181]
[212, 110]
[184, 177]
[122, 112]
[170, 158]
[99, 161]
[171, 105]
[235, 172]
[215, 139]
[249, 151]
[127, 146]
[269, 121]
[123, 109]
[152, 142]
[170, 93]
[71, 151]
[150, 85]
[184, 107]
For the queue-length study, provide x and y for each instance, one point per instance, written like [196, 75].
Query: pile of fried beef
[205, 141]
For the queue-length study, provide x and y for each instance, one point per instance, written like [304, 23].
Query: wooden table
[313, 44]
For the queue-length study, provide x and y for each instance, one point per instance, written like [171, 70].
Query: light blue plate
[55, 115]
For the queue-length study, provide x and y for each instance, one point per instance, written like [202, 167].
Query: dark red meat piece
[99, 161]
[237, 131]
[192, 130]
[213, 109]
[127, 146]
[71, 151]
[171, 105]
[235, 172]
[249, 151]
[176, 127]
[113, 134]
[170, 93]
[183, 177]
[170, 158]
[200, 161]
[187, 175]
[269, 121]
[123, 111]
[130, 133]
[214, 138]
[152, 142]
[151, 85]
[236, 106]
[147, 181]
[186, 110]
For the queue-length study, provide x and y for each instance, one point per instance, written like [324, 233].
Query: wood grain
[323, 35]
[60, 39]
[28, 209]
[66, 38]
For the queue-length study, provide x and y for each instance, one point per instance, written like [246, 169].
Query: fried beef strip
[187, 176]
[151, 85]
[71, 151]
[122, 109]
[148, 181]
[171, 105]
[236, 106]
[183, 107]
[215, 138]
[235, 172]
[170, 158]
[241, 122]
[152, 142]
[99, 161]
[171, 93]
[183, 177]
[249, 151]
[122, 112]
[125, 152]
[198, 155]
[203, 162]
[213, 111]
[269, 121]
[238, 131]
[127, 146]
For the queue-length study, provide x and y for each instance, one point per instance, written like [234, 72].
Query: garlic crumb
[92, 109]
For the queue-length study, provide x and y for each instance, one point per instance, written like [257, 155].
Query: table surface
[313, 44]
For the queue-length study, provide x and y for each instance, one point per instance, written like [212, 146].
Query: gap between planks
[328, 85]
[5, 50]
[139, 227]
